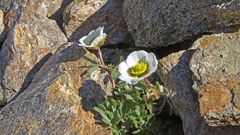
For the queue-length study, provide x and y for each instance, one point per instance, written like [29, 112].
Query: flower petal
[97, 40]
[92, 35]
[81, 40]
[123, 68]
[101, 30]
[152, 61]
[135, 57]
[128, 79]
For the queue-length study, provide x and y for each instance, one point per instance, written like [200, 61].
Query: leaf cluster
[129, 111]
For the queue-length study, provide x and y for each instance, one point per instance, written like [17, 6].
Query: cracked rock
[204, 83]
[60, 97]
[31, 40]
[80, 17]
[156, 23]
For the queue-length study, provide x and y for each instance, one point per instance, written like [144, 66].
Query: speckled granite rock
[45, 7]
[216, 69]
[155, 23]
[204, 83]
[59, 98]
[80, 17]
[14, 8]
[31, 39]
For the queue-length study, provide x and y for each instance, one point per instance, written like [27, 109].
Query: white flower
[137, 66]
[94, 39]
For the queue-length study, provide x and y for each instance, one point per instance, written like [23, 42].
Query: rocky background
[44, 84]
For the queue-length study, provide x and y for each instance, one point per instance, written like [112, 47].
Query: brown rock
[80, 17]
[14, 8]
[29, 43]
[216, 70]
[204, 83]
[59, 97]
[2, 28]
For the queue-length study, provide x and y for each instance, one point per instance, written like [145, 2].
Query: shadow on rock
[58, 15]
[108, 15]
[91, 93]
[31, 74]
[71, 53]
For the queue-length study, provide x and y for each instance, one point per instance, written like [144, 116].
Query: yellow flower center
[139, 70]
[100, 43]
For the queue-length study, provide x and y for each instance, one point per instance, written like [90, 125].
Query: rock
[31, 40]
[2, 28]
[14, 8]
[80, 17]
[156, 23]
[44, 7]
[204, 83]
[113, 55]
[216, 70]
[59, 97]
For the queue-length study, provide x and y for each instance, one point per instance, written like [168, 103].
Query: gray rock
[156, 23]
[204, 83]
[80, 17]
[31, 39]
[59, 97]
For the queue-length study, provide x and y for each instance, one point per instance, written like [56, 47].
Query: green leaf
[129, 97]
[136, 132]
[121, 59]
[115, 73]
[165, 92]
[115, 130]
[114, 103]
[116, 118]
[105, 119]
[92, 68]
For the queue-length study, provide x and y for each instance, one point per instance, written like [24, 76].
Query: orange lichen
[207, 41]
[84, 123]
[216, 96]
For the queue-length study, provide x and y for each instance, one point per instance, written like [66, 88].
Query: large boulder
[204, 83]
[60, 97]
[80, 17]
[31, 39]
[13, 9]
[156, 23]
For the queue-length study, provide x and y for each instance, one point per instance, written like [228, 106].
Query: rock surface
[59, 98]
[2, 28]
[204, 83]
[216, 70]
[31, 39]
[80, 17]
[156, 23]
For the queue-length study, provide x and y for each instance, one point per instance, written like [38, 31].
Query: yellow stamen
[139, 70]
[100, 43]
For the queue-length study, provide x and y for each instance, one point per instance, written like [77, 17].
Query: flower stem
[106, 68]
[101, 57]
[150, 85]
